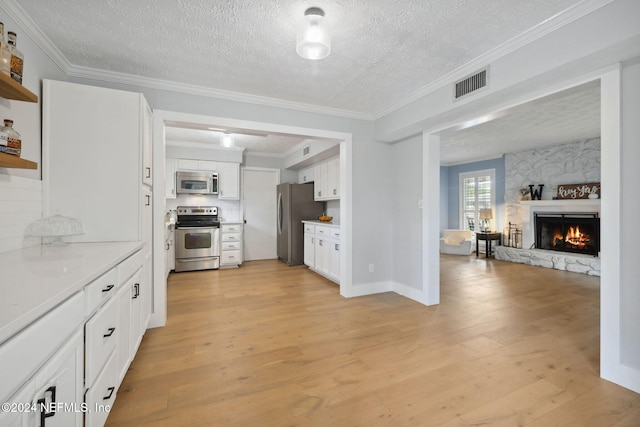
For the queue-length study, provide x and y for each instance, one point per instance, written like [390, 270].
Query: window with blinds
[477, 191]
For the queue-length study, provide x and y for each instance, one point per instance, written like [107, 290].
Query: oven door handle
[198, 228]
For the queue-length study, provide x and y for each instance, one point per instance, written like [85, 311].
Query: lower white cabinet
[322, 250]
[231, 253]
[53, 397]
[66, 367]
[170, 250]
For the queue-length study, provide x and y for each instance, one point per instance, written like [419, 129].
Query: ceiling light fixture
[227, 140]
[313, 41]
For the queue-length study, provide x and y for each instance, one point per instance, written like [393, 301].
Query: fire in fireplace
[568, 232]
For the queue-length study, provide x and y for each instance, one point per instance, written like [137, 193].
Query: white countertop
[318, 222]
[36, 279]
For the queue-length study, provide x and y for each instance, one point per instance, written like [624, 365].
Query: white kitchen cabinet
[197, 165]
[309, 245]
[320, 181]
[124, 324]
[171, 166]
[305, 175]
[333, 178]
[170, 256]
[229, 181]
[59, 381]
[334, 257]
[322, 249]
[147, 145]
[231, 246]
[326, 182]
[81, 345]
[93, 143]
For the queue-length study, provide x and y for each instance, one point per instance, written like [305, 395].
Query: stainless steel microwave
[196, 183]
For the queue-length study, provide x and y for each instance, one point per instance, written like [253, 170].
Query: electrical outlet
[370, 268]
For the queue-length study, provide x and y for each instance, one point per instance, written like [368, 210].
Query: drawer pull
[42, 405]
[111, 331]
[108, 288]
[136, 291]
[108, 396]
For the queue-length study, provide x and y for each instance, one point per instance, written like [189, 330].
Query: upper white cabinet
[305, 175]
[93, 163]
[229, 181]
[147, 144]
[333, 178]
[170, 178]
[326, 177]
[197, 165]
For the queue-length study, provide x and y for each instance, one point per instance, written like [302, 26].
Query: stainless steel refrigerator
[295, 203]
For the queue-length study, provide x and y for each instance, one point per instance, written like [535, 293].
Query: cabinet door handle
[42, 405]
[148, 172]
[108, 396]
[136, 291]
[168, 246]
[108, 334]
[337, 247]
[108, 288]
[147, 200]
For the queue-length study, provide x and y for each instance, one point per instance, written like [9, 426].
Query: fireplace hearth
[575, 232]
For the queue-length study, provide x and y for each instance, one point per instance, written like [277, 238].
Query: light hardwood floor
[271, 345]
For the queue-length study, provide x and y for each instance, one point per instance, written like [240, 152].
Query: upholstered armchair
[456, 242]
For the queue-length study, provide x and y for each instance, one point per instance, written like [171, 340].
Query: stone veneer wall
[575, 263]
[571, 163]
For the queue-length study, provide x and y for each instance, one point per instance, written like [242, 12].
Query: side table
[487, 237]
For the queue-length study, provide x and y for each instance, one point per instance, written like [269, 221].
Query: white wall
[406, 217]
[630, 207]
[21, 189]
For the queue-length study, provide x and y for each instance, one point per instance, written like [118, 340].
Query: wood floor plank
[272, 345]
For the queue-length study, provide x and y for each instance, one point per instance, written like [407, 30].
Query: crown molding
[159, 84]
[15, 12]
[544, 28]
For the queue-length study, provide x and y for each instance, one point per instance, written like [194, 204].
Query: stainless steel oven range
[197, 238]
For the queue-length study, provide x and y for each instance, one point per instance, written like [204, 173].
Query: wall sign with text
[579, 191]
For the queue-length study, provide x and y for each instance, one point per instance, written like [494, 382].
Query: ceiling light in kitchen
[313, 41]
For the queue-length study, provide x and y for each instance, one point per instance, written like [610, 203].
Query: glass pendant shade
[313, 40]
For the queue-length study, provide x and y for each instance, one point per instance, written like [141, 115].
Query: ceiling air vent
[471, 84]
[306, 150]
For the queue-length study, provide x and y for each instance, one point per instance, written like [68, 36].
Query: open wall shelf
[11, 89]
[9, 161]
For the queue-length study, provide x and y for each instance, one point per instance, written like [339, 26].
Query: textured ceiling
[383, 52]
[567, 116]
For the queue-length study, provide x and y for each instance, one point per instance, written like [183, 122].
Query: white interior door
[259, 205]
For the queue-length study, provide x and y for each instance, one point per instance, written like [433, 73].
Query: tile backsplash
[20, 205]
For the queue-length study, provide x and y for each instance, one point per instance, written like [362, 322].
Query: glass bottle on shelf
[17, 58]
[5, 53]
[14, 140]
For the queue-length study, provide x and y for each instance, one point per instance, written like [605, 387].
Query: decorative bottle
[5, 53]
[17, 58]
[14, 140]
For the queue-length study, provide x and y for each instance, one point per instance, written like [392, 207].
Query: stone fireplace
[554, 165]
[574, 232]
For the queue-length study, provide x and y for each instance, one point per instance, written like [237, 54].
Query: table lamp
[485, 216]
